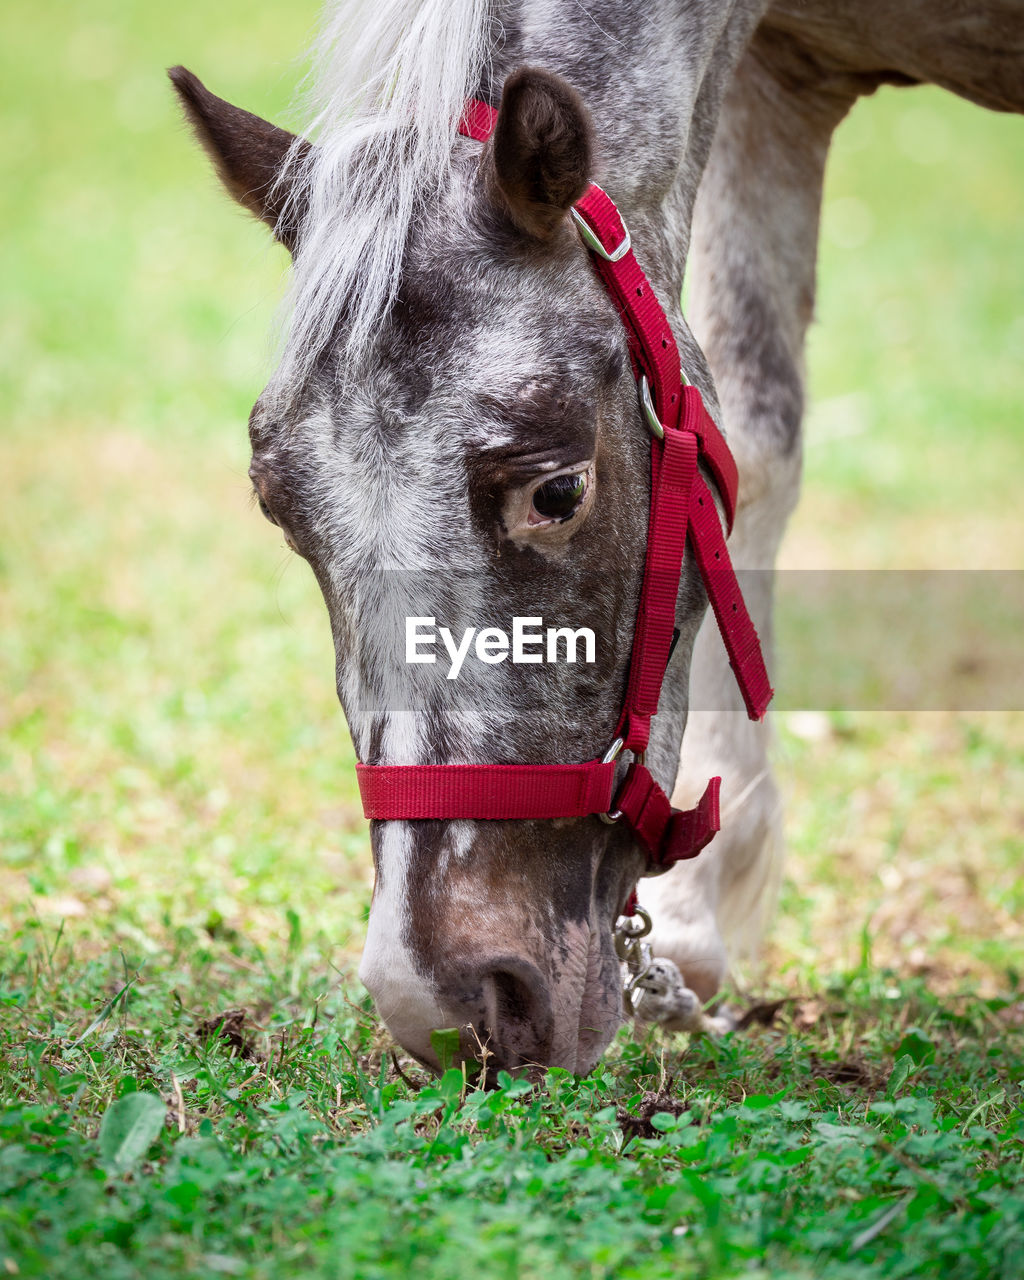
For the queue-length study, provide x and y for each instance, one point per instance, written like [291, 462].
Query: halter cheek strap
[683, 436]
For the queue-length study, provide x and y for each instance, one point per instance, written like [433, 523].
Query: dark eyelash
[267, 513]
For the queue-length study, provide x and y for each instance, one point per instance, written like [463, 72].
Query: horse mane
[388, 83]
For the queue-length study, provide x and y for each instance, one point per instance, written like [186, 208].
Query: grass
[875, 1130]
[192, 1081]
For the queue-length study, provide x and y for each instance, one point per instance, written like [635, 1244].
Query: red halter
[683, 434]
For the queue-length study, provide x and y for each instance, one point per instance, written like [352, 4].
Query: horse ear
[541, 150]
[248, 153]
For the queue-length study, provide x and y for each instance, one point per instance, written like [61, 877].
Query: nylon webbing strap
[478, 120]
[652, 344]
[726, 599]
[486, 790]
[669, 835]
[655, 355]
[673, 471]
[682, 506]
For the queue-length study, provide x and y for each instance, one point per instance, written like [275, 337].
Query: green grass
[179, 831]
[877, 1132]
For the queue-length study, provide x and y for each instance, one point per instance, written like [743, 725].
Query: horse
[452, 433]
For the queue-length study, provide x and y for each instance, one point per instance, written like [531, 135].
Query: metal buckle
[612, 754]
[595, 245]
[647, 405]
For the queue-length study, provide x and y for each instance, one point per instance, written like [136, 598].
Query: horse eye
[264, 508]
[559, 498]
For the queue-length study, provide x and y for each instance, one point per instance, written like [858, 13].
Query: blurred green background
[172, 755]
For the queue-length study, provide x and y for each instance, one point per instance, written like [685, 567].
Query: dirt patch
[637, 1124]
[850, 1072]
[230, 1026]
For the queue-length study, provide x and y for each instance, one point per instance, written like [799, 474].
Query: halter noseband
[683, 435]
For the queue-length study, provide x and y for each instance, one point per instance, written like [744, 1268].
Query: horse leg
[752, 259]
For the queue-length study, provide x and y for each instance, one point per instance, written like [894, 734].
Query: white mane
[388, 85]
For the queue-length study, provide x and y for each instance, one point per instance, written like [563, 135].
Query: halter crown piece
[682, 434]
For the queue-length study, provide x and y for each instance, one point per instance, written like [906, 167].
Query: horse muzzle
[520, 1010]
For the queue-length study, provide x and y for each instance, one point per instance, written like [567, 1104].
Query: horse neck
[653, 74]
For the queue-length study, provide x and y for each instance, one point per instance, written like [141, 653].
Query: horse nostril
[513, 998]
[517, 1012]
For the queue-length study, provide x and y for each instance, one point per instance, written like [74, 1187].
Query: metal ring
[629, 928]
[612, 754]
[647, 409]
[647, 405]
[613, 751]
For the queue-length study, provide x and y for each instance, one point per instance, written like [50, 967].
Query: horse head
[477, 457]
